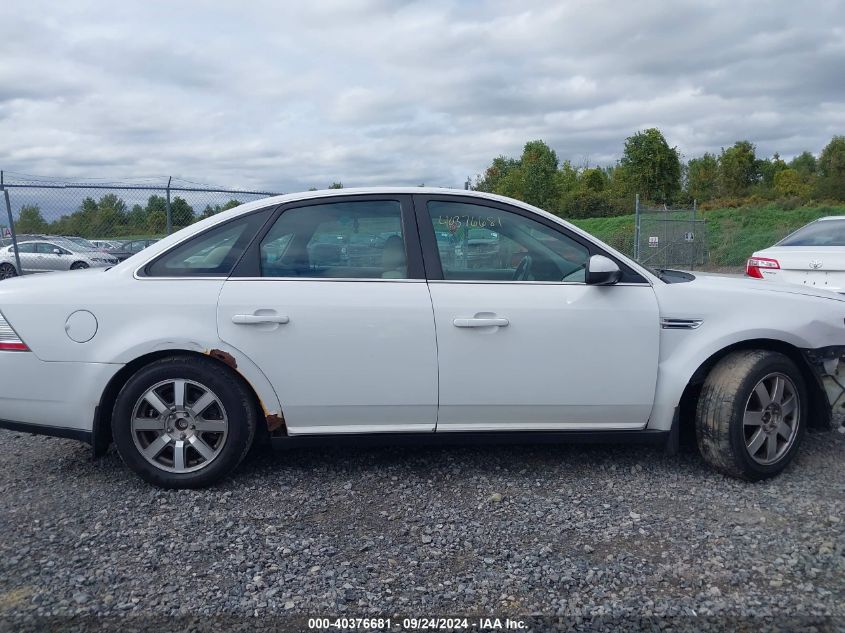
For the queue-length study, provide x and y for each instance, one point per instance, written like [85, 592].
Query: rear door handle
[481, 322]
[253, 319]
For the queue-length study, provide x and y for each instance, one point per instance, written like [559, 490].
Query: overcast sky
[287, 95]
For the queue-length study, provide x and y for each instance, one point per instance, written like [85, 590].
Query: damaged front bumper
[828, 363]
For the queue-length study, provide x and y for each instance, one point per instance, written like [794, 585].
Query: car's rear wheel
[7, 271]
[183, 422]
[750, 418]
[78, 265]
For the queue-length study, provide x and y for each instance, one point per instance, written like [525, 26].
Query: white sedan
[410, 314]
[814, 256]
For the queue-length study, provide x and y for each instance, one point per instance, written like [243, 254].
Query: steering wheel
[523, 269]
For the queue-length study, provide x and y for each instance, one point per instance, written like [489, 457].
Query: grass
[733, 234]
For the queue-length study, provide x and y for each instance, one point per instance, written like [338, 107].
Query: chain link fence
[669, 237]
[62, 224]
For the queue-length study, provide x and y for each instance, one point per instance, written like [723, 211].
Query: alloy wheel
[179, 425]
[771, 419]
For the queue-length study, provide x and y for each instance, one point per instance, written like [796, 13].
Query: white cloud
[289, 95]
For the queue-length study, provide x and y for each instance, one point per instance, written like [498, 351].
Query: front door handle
[481, 322]
[254, 319]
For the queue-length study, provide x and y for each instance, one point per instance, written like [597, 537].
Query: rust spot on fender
[276, 422]
[224, 357]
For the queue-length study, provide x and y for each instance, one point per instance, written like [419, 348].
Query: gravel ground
[625, 535]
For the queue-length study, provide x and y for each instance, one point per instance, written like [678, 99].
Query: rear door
[331, 302]
[524, 343]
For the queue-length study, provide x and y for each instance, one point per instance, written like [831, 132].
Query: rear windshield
[822, 233]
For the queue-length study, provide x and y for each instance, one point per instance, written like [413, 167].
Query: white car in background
[243, 326]
[813, 256]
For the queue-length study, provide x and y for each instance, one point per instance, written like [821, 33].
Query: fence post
[11, 224]
[637, 229]
[169, 213]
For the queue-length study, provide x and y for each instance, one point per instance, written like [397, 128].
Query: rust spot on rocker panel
[224, 357]
[276, 422]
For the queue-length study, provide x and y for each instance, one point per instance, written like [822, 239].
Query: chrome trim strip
[681, 324]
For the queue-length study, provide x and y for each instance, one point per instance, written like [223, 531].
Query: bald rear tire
[183, 422]
[752, 414]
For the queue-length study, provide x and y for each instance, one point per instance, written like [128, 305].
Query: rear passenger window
[361, 240]
[212, 253]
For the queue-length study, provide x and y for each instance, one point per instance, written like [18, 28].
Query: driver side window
[478, 243]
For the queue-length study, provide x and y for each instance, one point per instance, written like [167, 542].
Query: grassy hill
[733, 234]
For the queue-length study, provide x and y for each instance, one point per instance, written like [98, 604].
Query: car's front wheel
[183, 422]
[78, 265]
[751, 414]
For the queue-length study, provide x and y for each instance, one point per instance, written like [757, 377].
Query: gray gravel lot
[566, 531]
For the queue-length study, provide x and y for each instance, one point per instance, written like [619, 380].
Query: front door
[524, 343]
[331, 303]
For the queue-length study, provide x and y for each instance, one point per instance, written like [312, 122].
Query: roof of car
[832, 217]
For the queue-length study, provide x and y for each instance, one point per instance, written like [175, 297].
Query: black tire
[7, 271]
[78, 265]
[226, 386]
[721, 430]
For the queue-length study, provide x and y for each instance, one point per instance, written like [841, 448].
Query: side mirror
[57, 251]
[602, 271]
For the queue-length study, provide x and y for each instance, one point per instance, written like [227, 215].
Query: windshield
[820, 233]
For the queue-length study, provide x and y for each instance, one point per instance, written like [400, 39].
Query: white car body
[813, 256]
[353, 356]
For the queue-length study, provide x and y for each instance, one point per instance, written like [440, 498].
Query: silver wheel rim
[179, 426]
[771, 419]
[7, 272]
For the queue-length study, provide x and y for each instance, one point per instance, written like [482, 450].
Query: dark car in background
[128, 249]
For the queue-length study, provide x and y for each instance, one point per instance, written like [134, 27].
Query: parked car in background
[41, 256]
[106, 245]
[128, 249]
[814, 256]
[237, 327]
[81, 241]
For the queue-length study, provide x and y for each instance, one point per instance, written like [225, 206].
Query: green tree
[111, 216]
[336, 185]
[788, 182]
[156, 214]
[738, 168]
[495, 173]
[181, 213]
[30, 220]
[703, 177]
[137, 217]
[768, 169]
[539, 166]
[593, 179]
[831, 182]
[805, 164]
[653, 168]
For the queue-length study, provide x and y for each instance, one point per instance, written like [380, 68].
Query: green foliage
[30, 220]
[495, 173]
[653, 168]
[336, 185]
[832, 159]
[805, 164]
[738, 168]
[593, 179]
[788, 182]
[539, 166]
[181, 213]
[769, 168]
[703, 177]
